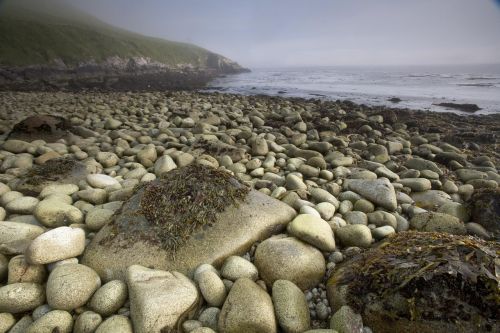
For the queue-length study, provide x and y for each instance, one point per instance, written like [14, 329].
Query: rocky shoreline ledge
[193, 212]
[115, 74]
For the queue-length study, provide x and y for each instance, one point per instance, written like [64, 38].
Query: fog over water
[283, 33]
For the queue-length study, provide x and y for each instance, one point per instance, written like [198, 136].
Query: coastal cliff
[58, 47]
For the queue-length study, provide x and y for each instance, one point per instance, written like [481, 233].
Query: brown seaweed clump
[180, 203]
[52, 170]
[423, 282]
[485, 207]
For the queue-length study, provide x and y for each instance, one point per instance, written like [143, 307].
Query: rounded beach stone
[22, 271]
[109, 298]
[212, 288]
[354, 235]
[21, 297]
[281, 257]
[356, 217]
[291, 307]
[326, 210]
[53, 213]
[159, 299]
[7, 320]
[438, 222]
[115, 324]
[9, 196]
[107, 159]
[260, 147]
[236, 267]
[379, 191]
[87, 322]
[15, 237]
[95, 196]
[312, 230]
[22, 324]
[202, 268]
[382, 232]
[70, 286]
[210, 317]
[416, 184]
[22, 205]
[56, 244]
[190, 325]
[101, 181]
[67, 189]
[53, 321]
[248, 308]
[40, 311]
[293, 182]
[381, 218]
[346, 320]
[364, 206]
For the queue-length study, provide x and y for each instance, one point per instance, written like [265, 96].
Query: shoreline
[465, 126]
[178, 210]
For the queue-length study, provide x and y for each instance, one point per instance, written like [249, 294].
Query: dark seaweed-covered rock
[55, 171]
[485, 207]
[194, 215]
[41, 127]
[423, 282]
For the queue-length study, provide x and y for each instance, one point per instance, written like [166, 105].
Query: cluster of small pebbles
[354, 176]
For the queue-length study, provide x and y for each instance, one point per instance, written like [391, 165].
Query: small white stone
[56, 244]
[101, 181]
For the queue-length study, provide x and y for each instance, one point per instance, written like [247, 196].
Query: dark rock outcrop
[115, 74]
[462, 107]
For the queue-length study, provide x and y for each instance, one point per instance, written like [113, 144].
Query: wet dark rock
[462, 107]
[485, 207]
[394, 100]
[41, 127]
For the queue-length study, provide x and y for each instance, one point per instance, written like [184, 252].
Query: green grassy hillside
[31, 35]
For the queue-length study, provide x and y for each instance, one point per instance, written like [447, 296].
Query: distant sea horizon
[418, 87]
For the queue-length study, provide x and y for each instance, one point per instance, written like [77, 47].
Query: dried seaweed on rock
[180, 203]
[51, 170]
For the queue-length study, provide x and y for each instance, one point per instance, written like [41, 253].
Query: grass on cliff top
[30, 37]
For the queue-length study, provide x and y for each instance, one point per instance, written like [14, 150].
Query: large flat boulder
[183, 220]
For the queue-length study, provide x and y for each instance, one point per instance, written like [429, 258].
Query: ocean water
[418, 87]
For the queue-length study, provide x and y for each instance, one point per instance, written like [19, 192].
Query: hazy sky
[261, 33]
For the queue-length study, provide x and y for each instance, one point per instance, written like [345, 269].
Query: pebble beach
[206, 212]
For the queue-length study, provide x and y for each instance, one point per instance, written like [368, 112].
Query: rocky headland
[191, 212]
[115, 74]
